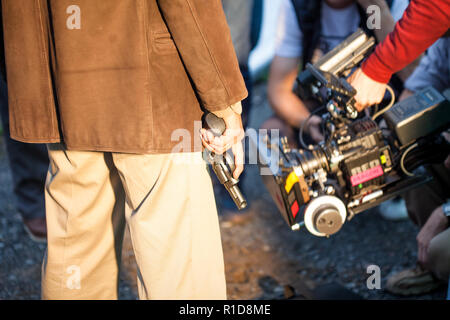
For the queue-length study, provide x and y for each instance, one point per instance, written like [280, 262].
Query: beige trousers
[167, 202]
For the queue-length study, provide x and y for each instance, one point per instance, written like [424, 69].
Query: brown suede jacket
[129, 74]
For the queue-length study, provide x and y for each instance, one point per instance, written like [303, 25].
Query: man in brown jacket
[109, 86]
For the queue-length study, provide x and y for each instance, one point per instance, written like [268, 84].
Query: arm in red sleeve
[423, 22]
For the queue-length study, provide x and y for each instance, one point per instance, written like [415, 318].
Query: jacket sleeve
[203, 39]
[423, 22]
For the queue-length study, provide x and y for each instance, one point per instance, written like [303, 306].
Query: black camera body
[368, 160]
[326, 185]
[359, 164]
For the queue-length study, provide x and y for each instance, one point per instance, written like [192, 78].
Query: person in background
[244, 18]
[29, 166]
[429, 206]
[306, 31]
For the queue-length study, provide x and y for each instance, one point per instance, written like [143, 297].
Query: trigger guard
[229, 162]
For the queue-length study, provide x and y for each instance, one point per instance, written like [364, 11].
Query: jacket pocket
[163, 43]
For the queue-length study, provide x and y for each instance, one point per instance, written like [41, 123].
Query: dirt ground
[264, 259]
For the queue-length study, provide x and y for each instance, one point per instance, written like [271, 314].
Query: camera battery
[422, 114]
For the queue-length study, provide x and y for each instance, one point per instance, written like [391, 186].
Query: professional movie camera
[362, 161]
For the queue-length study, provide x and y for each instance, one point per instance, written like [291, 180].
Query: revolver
[223, 164]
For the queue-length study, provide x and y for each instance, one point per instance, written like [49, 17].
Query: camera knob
[328, 220]
[325, 215]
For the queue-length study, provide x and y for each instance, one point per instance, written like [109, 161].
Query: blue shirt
[433, 69]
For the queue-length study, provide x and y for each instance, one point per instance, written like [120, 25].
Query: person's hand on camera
[230, 139]
[313, 128]
[368, 92]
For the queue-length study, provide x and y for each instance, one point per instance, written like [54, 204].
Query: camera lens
[311, 161]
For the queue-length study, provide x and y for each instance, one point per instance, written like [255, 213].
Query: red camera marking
[294, 208]
[367, 175]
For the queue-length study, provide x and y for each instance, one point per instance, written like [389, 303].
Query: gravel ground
[263, 258]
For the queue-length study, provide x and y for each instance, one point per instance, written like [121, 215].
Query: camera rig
[362, 161]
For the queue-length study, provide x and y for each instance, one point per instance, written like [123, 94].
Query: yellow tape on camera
[290, 181]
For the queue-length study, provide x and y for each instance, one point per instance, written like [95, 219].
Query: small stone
[267, 283]
[240, 276]
[289, 292]
[322, 264]
[350, 285]
[226, 224]
[278, 290]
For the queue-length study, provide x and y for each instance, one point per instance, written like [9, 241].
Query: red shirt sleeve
[423, 22]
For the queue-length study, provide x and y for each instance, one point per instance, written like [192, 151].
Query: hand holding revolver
[220, 135]
[230, 139]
